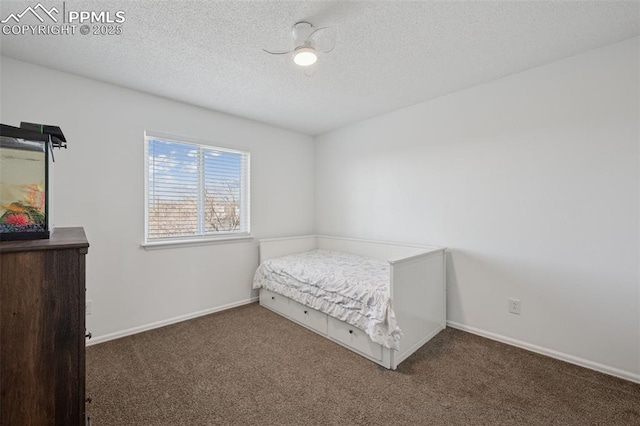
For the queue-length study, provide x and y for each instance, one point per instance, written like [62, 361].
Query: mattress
[353, 289]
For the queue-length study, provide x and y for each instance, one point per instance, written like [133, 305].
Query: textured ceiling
[389, 54]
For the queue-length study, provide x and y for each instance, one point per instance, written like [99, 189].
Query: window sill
[159, 245]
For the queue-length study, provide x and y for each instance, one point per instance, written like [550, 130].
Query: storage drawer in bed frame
[339, 331]
[354, 338]
[275, 302]
[310, 318]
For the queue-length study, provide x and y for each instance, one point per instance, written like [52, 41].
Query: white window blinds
[195, 190]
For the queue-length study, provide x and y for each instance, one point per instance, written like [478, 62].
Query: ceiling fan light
[305, 56]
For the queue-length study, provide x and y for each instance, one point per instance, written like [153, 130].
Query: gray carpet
[250, 366]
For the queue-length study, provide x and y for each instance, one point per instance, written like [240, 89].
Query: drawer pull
[273, 298]
[350, 331]
[88, 335]
[306, 312]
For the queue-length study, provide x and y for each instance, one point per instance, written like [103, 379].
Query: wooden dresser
[42, 330]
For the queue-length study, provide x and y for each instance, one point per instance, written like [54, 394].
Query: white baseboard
[627, 375]
[158, 324]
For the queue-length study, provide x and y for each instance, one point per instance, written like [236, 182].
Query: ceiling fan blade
[277, 53]
[323, 39]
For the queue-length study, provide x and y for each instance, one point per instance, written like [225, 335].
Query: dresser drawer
[354, 338]
[313, 319]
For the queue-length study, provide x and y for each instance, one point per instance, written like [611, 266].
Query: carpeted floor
[250, 366]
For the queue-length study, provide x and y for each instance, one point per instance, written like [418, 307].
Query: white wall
[532, 181]
[99, 185]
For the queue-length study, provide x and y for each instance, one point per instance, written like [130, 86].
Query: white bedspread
[351, 288]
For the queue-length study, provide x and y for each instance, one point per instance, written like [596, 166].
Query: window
[194, 191]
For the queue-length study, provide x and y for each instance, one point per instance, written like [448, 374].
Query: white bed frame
[418, 294]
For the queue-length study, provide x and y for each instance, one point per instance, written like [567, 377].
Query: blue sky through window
[173, 171]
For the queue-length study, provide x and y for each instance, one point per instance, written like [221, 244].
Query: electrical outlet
[87, 307]
[514, 306]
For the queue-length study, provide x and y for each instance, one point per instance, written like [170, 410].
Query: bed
[382, 301]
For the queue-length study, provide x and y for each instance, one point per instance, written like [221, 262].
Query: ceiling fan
[308, 41]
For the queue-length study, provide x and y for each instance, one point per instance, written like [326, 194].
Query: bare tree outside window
[222, 210]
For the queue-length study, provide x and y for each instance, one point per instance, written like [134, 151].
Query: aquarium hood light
[57, 137]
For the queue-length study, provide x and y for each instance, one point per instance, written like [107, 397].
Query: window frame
[181, 241]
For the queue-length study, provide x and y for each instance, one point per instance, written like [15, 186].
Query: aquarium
[24, 180]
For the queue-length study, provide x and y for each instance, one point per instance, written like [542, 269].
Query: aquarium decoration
[25, 154]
